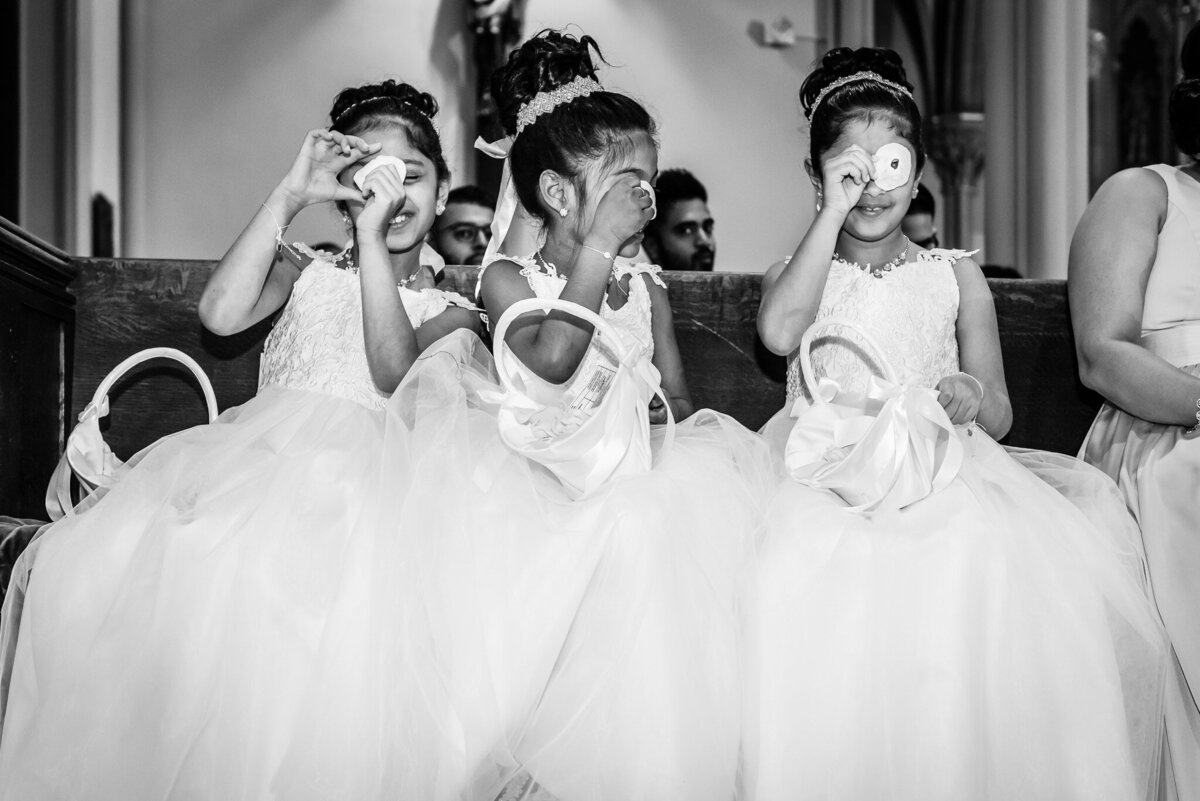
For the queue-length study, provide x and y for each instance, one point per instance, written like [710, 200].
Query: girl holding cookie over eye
[254, 609]
[928, 618]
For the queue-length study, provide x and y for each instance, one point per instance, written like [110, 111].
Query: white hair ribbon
[514, 230]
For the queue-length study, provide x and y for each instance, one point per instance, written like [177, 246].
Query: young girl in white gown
[987, 641]
[625, 596]
[197, 632]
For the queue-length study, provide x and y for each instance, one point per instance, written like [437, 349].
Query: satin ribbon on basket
[603, 433]
[886, 447]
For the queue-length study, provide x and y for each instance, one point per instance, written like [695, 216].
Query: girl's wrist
[601, 243]
[285, 202]
[834, 215]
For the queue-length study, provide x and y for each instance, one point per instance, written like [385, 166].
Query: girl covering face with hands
[983, 637]
[638, 691]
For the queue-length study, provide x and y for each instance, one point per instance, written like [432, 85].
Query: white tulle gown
[992, 641]
[616, 615]
[256, 609]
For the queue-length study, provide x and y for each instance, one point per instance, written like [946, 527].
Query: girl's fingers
[348, 193]
[361, 144]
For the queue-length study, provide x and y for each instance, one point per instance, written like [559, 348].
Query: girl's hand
[385, 196]
[622, 212]
[313, 177]
[961, 397]
[844, 177]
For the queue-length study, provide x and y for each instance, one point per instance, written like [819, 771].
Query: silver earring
[440, 208]
[819, 197]
[346, 219]
[562, 212]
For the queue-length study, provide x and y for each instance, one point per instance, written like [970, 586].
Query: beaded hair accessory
[857, 77]
[372, 99]
[545, 102]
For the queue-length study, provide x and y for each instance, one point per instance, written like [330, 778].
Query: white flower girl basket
[885, 447]
[87, 456]
[590, 439]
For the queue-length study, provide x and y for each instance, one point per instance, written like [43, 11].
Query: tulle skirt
[313, 600]
[992, 641]
[1157, 468]
[257, 609]
[614, 619]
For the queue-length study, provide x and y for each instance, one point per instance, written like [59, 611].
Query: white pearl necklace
[877, 271]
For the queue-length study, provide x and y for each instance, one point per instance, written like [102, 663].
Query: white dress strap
[623, 267]
[945, 255]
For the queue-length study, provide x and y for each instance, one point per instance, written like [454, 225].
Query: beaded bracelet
[603, 253]
[279, 229]
[979, 384]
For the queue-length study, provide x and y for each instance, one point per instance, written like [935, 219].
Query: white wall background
[218, 96]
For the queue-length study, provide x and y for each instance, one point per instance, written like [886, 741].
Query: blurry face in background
[683, 238]
[918, 227]
[461, 233]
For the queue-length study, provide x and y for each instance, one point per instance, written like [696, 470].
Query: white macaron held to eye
[653, 198]
[893, 166]
[360, 177]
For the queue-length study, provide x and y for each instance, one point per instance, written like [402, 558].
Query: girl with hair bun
[933, 620]
[1135, 308]
[247, 612]
[641, 691]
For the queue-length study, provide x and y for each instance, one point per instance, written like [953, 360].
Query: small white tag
[595, 390]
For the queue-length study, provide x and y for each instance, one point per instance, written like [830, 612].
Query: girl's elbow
[215, 318]
[1091, 372]
[776, 339]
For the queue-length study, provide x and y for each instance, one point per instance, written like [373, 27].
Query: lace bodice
[909, 311]
[317, 343]
[631, 321]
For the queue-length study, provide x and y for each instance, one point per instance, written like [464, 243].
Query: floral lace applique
[317, 342]
[911, 312]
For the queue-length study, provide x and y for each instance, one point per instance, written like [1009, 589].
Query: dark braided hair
[1185, 98]
[864, 101]
[574, 133]
[376, 106]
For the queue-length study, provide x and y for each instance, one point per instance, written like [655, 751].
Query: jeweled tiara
[865, 75]
[545, 102]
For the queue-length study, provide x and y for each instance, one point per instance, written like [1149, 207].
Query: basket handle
[602, 327]
[818, 327]
[525, 306]
[99, 404]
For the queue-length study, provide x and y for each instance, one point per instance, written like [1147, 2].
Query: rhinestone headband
[545, 102]
[856, 78]
[372, 99]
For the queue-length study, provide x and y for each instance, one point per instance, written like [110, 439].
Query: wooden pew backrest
[128, 304]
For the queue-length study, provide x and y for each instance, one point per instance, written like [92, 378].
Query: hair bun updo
[860, 101]
[1184, 107]
[352, 104]
[574, 132]
[546, 61]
